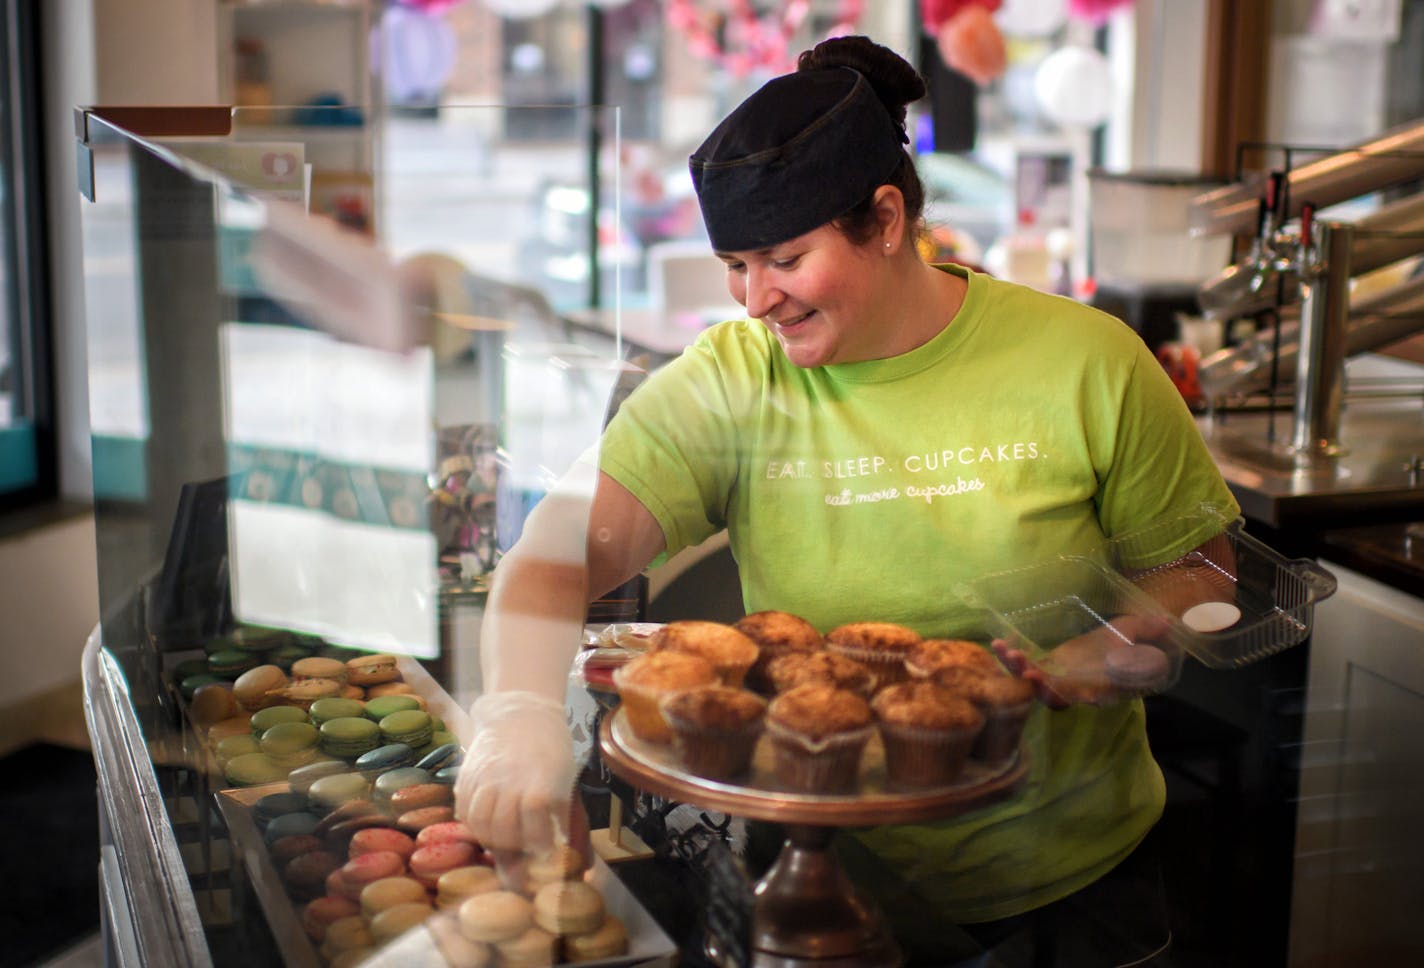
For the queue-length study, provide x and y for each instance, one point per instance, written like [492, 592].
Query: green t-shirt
[1031, 426]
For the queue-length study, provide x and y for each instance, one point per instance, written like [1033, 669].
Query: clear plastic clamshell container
[1233, 600]
[1096, 637]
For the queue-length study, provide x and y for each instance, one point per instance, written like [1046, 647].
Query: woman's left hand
[1078, 672]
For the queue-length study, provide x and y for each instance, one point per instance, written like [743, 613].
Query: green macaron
[265, 719]
[382, 706]
[231, 663]
[324, 710]
[349, 736]
[409, 726]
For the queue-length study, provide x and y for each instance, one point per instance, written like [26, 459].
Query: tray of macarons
[769, 719]
[391, 878]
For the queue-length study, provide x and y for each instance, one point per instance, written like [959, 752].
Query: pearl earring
[887, 245]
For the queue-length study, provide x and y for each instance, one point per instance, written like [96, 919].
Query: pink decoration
[429, 6]
[970, 43]
[934, 14]
[753, 42]
[1095, 12]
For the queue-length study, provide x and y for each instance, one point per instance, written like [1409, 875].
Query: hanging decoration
[415, 51]
[429, 6]
[1032, 19]
[968, 38]
[1096, 12]
[521, 9]
[741, 41]
[1074, 86]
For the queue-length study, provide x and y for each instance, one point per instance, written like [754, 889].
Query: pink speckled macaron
[366, 868]
[439, 833]
[375, 839]
[432, 860]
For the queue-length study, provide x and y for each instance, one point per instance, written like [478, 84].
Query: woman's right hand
[516, 779]
[1079, 673]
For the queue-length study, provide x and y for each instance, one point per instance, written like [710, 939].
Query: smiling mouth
[792, 321]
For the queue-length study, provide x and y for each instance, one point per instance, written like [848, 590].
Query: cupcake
[881, 646]
[644, 682]
[1004, 700]
[817, 734]
[715, 729]
[730, 652]
[930, 655]
[776, 634]
[927, 731]
[799, 668]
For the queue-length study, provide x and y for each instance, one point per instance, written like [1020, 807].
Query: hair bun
[895, 81]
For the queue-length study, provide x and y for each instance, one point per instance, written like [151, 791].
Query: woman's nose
[760, 295]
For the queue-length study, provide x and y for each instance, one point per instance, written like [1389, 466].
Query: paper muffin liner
[830, 764]
[1003, 729]
[921, 756]
[887, 667]
[717, 754]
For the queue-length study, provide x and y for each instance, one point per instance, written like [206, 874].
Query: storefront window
[26, 435]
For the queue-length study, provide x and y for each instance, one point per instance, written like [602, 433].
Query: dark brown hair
[897, 84]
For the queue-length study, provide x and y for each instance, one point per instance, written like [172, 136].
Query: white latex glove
[517, 777]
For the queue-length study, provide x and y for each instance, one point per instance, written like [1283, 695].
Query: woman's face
[818, 293]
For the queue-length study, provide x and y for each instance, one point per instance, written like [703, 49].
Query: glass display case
[322, 403]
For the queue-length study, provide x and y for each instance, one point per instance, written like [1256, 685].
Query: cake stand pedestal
[808, 913]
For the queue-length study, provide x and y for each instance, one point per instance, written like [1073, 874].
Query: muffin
[1004, 700]
[931, 655]
[786, 672]
[881, 646]
[776, 634]
[729, 651]
[715, 729]
[818, 734]
[928, 733]
[644, 682]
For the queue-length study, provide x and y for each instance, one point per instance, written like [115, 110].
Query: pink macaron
[324, 910]
[373, 840]
[432, 860]
[439, 833]
[362, 870]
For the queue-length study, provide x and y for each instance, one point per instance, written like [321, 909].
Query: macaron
[253, 769]
[458, 884]
[189, 685]
[284, 849]
[429, 862]
[412, 727]
[349, 736]
[320, 913]
[330, 792]
[371, 670]
[446, 754]
[447, 775]
[231, 663]
[239, 725]
[304, 692]
[323, 710]
[363, 870]
[374, 839]
[496, 916]
[256, 638]
[391, 689]
[382, 706]
[301, 778]
[236, 746]
[386, 892]
[258, 687]
[346, 934]
[414, 821]
[392, 780]
[188, 667]
[458, 951]
[212, 703]
[441, 832]
[390, 756]
[568, 907]
[305, 875]
[265, 719]
[608, 940]
[396, 920]
[419, 796]
[289, 825]
[319, 667]
[284, 656]
[291, 743]
[535, 948]
[275, 804]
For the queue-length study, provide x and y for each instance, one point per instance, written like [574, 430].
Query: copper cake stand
[808, 913]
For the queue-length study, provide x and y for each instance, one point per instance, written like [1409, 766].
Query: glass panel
[314, 434]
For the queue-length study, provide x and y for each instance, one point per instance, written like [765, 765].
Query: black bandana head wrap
[804, 149]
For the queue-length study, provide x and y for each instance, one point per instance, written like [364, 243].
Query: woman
[876, 431]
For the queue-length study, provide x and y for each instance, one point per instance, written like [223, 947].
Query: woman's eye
[785, 263]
